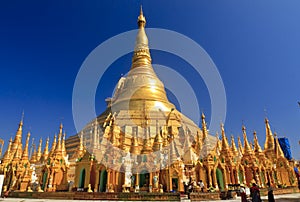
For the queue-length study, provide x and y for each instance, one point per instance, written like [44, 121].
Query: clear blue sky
[254, 44]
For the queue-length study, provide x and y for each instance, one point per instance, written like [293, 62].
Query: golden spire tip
[141, 10]
[141, 19]
[22, 118]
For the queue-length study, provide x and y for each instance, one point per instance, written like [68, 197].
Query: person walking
[270, 193]
[255, 194]
[243, 193]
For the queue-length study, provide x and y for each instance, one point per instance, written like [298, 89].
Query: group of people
[192, 185]
[255, 193]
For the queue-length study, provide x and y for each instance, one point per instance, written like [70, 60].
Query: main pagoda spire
[141, 89]
[141, 54]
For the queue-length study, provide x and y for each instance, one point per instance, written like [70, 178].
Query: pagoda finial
[141, 18]
[240, 145]
[58, 150]
[269, 143]
[247, 147]
[25, 151]
[218, 144]
[22, 118]
[225, 145]
[18, 137]
[141, 56]
[134, 145]
[204, 127]
[173, 154]
[147, 147]
[7, 155]
[158, 140]
[80, 151]
[33, 159]
[46, 150]
[63, 145]
[257, 148]
[39, 152]
[53, 146]
[81, 147]
[233, 147]
[61, 128]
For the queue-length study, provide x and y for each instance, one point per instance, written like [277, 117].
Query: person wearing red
[254, 193]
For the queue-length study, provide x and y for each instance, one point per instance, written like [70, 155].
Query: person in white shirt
[201, 184]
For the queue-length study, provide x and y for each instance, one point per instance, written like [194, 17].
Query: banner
[285, 146]
[1, 183]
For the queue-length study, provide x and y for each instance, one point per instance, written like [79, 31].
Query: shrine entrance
[220, 180]
[144, 179]
[45, 176]
[102, 181]
[81, 179]
[241, 176]
[175, 184]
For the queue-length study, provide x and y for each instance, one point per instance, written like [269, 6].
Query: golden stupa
[139, 117]
[142, 143]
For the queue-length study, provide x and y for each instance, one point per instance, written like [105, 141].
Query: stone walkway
[278, 198]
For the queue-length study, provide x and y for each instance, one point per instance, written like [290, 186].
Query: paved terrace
[279, 198]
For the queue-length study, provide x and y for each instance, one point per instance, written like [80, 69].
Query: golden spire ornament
[204, 127]
[225, 145]
[269, 143]
[25, 151]
[53, 147]
[257, 148]
[46, 151]
[7, 155]
[39, 151]
[141, 56]
[233, 147]
[247, 147]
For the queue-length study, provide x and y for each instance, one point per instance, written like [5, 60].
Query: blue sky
[254, 44]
